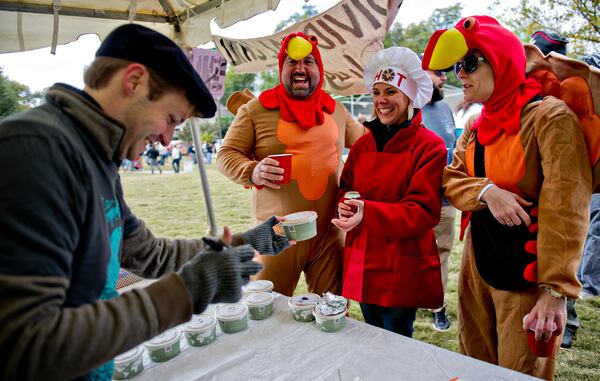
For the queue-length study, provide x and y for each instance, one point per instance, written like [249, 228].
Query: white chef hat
[400, 67]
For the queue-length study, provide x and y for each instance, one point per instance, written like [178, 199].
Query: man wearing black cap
[65, 228]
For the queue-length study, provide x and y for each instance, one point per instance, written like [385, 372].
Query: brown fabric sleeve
[150, 257]
[41, 339]
[564, 197]
[459, 188]
[354, 130]
[235, 158]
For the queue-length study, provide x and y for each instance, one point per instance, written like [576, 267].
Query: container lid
[231, 311]
[258, 299]
[163, 340]
[200, 323]
[259, 286]
[352, 195]
[304, 300]
[299, 218]
[130, 355]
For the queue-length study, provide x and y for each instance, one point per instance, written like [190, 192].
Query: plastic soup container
[330, 312]
[302, 305]
[260, 305]
[300, 226]
[163, 347]
[129, 364]
[201, 330]
[330, 323]
[352, 195]
[232, 317]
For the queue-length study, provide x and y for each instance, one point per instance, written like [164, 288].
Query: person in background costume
[299, 118]
[589, 270]
[391, 261]
[65, 229]
[521, 175]
[438, 117]
[549, 42]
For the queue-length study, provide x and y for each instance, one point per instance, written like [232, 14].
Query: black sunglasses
[469, 64]
[439, 73]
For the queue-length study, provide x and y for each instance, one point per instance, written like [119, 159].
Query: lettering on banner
[338, 80]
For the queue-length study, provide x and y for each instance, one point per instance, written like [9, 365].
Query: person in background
[391, 261]
[526, 230]
[589, 270]
[65, 228]
[296, 117]
[549, 42]
[175, 157]
[192, 153]
[163, 153]
[438, 117]
[209, 152]
[152, 154]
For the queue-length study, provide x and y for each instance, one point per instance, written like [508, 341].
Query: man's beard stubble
[437, 95]
[300, 94]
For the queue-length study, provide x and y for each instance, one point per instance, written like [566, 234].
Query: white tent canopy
[30, 24]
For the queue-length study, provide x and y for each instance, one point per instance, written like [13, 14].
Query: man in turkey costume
[295, 117]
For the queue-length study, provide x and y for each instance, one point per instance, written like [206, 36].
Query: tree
[208, 132]
[237, 82]
[268, 80]
[416, 36]
[14, 96]
[578, 20]
[308, 11]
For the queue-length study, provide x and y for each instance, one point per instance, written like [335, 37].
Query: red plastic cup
[541, 348]
[285, 162]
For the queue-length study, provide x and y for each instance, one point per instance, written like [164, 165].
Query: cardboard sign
[348, 33]
[212, 67]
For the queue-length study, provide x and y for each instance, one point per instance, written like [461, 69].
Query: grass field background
[173, 206]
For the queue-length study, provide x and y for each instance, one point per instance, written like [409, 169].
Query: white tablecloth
[280, 348]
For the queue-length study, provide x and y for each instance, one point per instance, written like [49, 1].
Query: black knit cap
[549, 42]
[142, 45]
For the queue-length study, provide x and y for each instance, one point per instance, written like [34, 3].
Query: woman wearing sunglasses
[521, 176]
[391, 261]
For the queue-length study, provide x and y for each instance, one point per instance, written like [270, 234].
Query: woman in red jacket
[391, 262]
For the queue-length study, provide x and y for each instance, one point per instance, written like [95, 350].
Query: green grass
[173, 206]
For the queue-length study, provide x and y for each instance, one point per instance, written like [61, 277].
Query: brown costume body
[317, 163]
[490, 320]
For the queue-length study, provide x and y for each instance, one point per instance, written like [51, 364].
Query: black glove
[265, 240]
[217, 276]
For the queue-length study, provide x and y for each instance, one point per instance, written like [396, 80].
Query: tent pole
[219, 135]
[212, 222]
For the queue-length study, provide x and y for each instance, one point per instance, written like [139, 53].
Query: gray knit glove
[217, 276]
[265, 240]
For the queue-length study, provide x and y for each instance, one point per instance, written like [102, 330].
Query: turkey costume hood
[505, 53]
[307, 112]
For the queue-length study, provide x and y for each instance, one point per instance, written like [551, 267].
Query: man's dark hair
[102, 69]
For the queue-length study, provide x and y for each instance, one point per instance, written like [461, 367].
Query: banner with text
[349, 33]
[211, 66]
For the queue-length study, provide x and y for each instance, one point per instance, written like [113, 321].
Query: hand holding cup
[272, 171]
